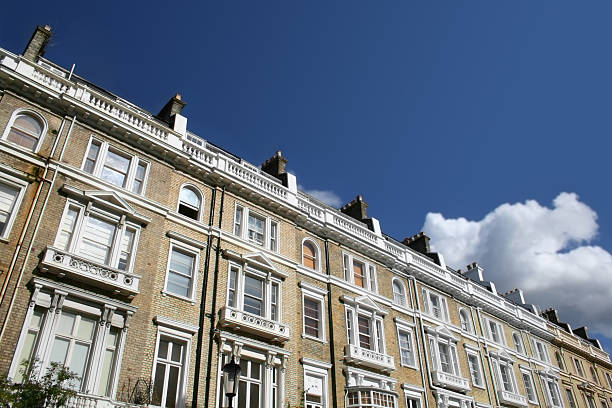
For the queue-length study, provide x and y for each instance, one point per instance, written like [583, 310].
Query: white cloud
[545, 251]
[326, 196]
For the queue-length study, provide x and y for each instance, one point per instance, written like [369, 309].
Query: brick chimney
[476, 273]
[171, 114]
[419, 242]
[38, 42]
[276, 166]
[358, 209]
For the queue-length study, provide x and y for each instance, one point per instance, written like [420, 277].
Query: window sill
[305, 336]
[409, 366]
[169, 294]
[481, 386]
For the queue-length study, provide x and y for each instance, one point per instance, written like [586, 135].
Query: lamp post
[231, 371]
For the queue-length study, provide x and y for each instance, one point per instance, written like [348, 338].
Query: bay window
[97, 235]
[115, 166]
[256, 228]
[443, 355]
[359, 272]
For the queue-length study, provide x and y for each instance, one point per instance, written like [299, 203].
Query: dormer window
[190, 201]
[26, 129]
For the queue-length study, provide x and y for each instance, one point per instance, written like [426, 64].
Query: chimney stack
[357, 209]
[276, 166]
[516, 296]
[171, 114]
[37, 44]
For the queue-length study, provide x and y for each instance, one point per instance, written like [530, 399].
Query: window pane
[66, 323]
[358, 274]
[177, 352]
[181, 262]
[59, 350]
[92, 156]
[80, 354]
[256, 229]
[364, 332]
[21, 138]
[97, 240]
[86, 328]
[139, 178]
[308, 255]
[125, 250]
[255, 370]
[158, 384]
[242, 394]
[173, 380]
[105, 376]
[115, 168]
[254, 396]
[179, 284]
[8, 196]
[163, 349]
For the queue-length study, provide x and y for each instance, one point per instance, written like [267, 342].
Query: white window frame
[101, 159]
[180, 336]
[30, 112]
[519, 347]
[536, 351]
[413, 399]
[465, 318]
[404, 300]
[80, 227]
[268, 281]
[369, 272]
[473, 353]
[318, 295]
[375, 324]
[319, 372]
[546, 382]
[317, 252]
[570, 393]
[48, 294]
[269, 242]
[433, 344]
[500, 331]
[21, 185]
[199, 193]
[401, 328]
[183, 247]
[498, 363]
[527, 373]
[579, 367]
[428, 305]
[608, 379]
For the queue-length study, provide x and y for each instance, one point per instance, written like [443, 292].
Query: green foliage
[46, 391]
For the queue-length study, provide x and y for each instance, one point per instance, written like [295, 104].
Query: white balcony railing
[369, 358]
[92, 401]
[510, 398]
[451, 381]
[78, 268]
[239, 320]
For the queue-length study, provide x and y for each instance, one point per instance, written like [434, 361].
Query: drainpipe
[198, 362]
[486, 347]
[482, 364]
[214, 303]
[422, 358]
[29, 218]
[332, 352]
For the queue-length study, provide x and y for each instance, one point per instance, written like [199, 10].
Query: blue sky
[460, 110]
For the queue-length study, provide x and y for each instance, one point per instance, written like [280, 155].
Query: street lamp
[231, 371]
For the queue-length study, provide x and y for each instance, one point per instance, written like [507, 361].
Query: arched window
[399, 293]
[26, 129]
[310, 257]
[518, 344]
[190, 202]
[464, 318]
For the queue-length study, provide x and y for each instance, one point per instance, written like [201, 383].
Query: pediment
[442, 331]
[109, 198]
[255, 260]
[364, 302]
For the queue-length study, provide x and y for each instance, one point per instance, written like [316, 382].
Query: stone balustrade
[80, 269]
[239, 320]
[450, 381]
[369, 358]
[511, 398]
